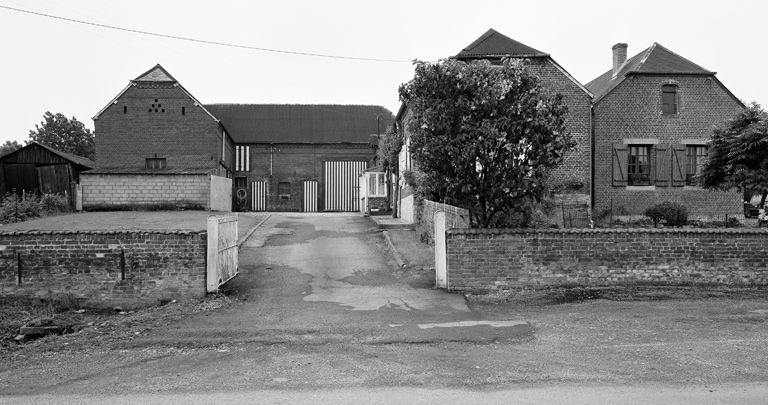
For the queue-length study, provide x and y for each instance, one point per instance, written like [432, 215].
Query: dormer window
[669, 99]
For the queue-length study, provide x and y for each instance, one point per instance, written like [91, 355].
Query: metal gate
[342, 192]
[259, 196]
[222, 250]
[309, 202]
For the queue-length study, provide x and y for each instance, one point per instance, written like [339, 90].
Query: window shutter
[678, 165]
[619, 164]
[662, 165]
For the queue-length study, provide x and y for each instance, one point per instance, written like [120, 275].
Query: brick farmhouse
[157, 144]
[640, 129]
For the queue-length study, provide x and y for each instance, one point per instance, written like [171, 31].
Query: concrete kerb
[399, 259]
[250, 232]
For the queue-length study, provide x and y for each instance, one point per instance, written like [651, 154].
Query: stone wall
[115, 190]
[104, 269]
[489, 259]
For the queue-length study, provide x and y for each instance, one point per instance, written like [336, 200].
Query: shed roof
[143, 170]
[301, 123]
[78, 160]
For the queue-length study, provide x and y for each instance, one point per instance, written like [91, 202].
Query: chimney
[619, 57]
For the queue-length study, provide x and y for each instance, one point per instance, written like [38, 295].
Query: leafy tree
[387, 155]
[485, 136]
[61, 133]
[9, 147]
[738, 154]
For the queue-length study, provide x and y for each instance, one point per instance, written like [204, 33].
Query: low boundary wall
[104, 268]
[480, 260]
[104, 190]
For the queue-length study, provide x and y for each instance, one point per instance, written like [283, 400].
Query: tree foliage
[63, 134]
[738, 154]
[485, 136]
[388, 152]
[8, 147]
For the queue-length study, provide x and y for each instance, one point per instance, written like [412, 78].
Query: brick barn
[157, 144]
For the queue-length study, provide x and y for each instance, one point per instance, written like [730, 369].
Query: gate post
[441, 262]
[212, 271]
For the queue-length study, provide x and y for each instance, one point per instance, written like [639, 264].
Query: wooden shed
[40, 169]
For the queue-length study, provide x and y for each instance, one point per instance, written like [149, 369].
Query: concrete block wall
[87, 266]
[490, 259]
[186, 190]
[633, 111]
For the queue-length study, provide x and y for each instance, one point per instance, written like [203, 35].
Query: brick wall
[633, 111]
[128, 133]
[184, 190]
[295, 164]
[488, 259]
[575, 167]
[87, 265]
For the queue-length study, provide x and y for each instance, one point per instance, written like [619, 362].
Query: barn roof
[143, 170]
[79, 160]
[301, 123]
[495, 44]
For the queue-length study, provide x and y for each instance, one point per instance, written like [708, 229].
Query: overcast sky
[76, 69]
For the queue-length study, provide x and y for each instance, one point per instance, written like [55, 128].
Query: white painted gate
[259, 196]
[309, 197]
[441, 263]
[222, 250]
[342, 190]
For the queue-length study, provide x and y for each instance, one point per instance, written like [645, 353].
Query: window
[694, 159]
[668, 99]
[241, 182]
[284, 190]
[155, 163]
[377, 185]
[638, 166]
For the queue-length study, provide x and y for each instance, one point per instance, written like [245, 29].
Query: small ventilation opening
[125, 109]
[183, 110]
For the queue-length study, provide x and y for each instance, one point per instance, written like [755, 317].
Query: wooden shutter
[662, 165]
[678, 165]
[619, 164]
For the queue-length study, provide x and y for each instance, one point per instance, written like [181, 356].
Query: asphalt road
[321, 313]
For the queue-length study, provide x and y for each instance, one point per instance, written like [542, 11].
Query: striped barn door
[309, 202]
[342, 191]
[259, 196]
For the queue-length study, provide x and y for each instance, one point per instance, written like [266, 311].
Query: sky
[49, 64]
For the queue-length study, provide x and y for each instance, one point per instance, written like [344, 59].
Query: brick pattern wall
[296, 163]
[455, 218]
[128, 132]
[575, 168]
[184, 190]
[483, 259]
[633, 110]
[87, 266]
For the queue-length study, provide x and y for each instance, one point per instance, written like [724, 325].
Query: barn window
[241, 182]
[284, 190]
[669, 99]
[155, 163]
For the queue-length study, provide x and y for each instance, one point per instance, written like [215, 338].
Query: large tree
[738, 154]
[8, 147]
[485, 136]
[64, 134]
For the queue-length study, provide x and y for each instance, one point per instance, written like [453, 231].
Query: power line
[201, 40]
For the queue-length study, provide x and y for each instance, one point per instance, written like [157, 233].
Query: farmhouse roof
[653, 60]
[493, 44]
[301, 123]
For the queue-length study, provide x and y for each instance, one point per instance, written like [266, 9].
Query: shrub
[672, 214]
[16, 208]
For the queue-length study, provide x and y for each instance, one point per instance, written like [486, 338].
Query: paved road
[330, 278]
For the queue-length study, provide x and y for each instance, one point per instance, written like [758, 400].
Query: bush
[672, 214]
[16, 208]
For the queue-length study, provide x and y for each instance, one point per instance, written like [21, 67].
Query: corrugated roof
[653, 60]
[142, 170]
[495, 44]
[296, 123]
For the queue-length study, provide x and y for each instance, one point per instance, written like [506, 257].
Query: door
[309, 197]
[342, 190]
[259, 196]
